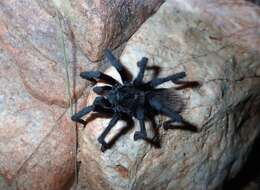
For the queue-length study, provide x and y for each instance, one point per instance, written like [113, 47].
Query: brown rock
[36, 140]
[34, 38]
[98, 25]
[238, 20]
[225, 108]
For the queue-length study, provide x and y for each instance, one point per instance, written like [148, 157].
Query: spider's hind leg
[157, 105]
[101, 138]
[142, 134]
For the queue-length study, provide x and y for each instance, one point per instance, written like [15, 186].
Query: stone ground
[216, 42]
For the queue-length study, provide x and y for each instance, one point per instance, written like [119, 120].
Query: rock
[37, 137]
[34, 34]
[33, 37]
[225, 107]
[36, 140]
[238, 20]
[98, 25]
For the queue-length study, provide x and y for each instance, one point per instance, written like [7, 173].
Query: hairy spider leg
[115, 63]
[142, 133]
[98, 105]
[102, 89]
[77, 116]
[142, 66]
[156, 104]
[93, 75]
[101, 138]
[174, 78]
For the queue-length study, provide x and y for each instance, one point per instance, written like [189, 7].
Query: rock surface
[34, 38]
[225, 107]
[36, 140]
[37, 144]
[98, 25]
[33, 33]
[238, 20]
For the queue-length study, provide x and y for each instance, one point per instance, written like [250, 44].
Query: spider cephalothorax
[135, 98]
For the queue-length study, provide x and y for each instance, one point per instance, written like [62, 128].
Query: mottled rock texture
[101, 24]
[37, 39]
[33, 33]
[37, 144]
[34, 38]
[225, 107]
[215, 42]
[36, 140]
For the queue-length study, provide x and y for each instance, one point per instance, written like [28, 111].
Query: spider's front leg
[77, 116]
[98, 105]
[97, 75]
[115, 63]
[102, 89]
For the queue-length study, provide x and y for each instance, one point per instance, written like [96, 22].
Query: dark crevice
[257, 2]
[249, 177]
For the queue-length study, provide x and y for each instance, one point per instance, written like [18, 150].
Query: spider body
[125, 99]
[135, 98]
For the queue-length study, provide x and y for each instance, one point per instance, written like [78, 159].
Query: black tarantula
[135, 98]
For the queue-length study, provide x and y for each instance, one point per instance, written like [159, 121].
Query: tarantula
[135, 98]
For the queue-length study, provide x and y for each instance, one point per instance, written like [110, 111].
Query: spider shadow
[155, 69]
[155, 72]
[185, 125]
[187, 84]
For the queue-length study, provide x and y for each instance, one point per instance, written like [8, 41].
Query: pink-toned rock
[36, 140]
[225, 108]
[33, 37]
[100, 24]
[238, 20]
[33, 33]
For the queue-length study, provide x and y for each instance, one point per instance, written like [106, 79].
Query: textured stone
[33, 37]
[98, 25]
[36, 140]
[225, 107]
[238, 20]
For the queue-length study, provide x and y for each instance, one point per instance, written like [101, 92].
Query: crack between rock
[138, 163]
[235, 80]
[38, 146]
[40, 52]
[62, 104]
[209, 52]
